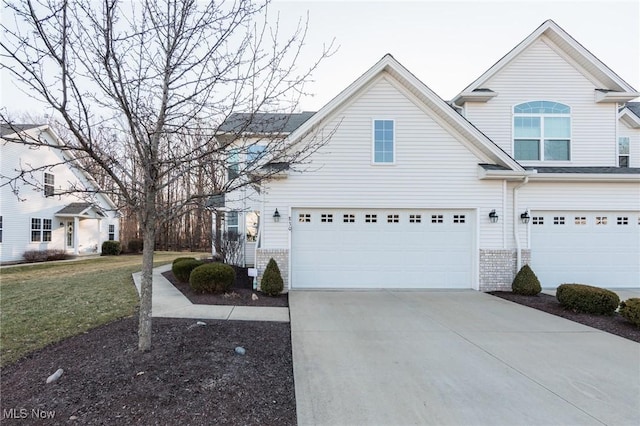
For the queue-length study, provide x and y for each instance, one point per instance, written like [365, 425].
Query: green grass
[44, 303]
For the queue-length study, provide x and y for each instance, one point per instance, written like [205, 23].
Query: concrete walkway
[169, 302]
[454, 358]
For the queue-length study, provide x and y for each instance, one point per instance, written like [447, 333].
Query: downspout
[516, 234]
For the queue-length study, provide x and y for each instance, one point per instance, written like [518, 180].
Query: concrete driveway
[454, 358]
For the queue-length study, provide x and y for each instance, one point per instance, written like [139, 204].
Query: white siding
[432, 169]
[17, 210]
[541, 73]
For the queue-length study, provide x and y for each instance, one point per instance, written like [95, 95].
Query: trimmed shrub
[180, 259]
[630, 310]
[135, 245]
[526, 282]
[182, 270]
[587, 299]
[45, 255]
[272, 283]
[214, 278]
[111, 248]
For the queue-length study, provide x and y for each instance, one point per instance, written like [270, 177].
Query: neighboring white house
[537, 161]
[38, 215]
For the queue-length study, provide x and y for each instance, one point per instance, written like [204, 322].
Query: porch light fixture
[524, 217]
[493, 216]
[276, 216]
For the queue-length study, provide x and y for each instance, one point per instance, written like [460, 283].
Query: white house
[36, 213]
[537, 161]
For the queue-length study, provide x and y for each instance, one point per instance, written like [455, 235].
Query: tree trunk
[144, 327]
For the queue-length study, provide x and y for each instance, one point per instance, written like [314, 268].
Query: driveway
[454, 358]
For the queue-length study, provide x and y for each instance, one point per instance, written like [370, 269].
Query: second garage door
[374, 248]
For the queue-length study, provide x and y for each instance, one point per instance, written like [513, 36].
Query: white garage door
[596, 248]
[348, 248]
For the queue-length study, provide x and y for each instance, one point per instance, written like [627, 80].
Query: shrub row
[214, 278]
[182, 269]
[630, 310]
[587, 299]
[45, 255]
[111, 248]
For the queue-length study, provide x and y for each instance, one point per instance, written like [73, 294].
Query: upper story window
[233, 161]
[232, 226]
[383, 141]
[49, 184]
[255, 153]
[542, 131]
[623, 152]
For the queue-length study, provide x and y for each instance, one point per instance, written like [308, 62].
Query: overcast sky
[447, 44]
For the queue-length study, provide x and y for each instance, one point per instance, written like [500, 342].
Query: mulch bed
[614, 324]
[192, 376]
[240, 294]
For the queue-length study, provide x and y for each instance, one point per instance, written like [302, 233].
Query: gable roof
[79, 209]
[264, 123]
[28, 129]
[630, 114]
[607, 78]
[474, 139]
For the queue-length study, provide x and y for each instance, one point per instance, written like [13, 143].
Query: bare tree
[133, 80]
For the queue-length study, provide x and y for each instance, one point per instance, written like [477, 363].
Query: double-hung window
[542, 131]
[112, 232]
[623, 152]
[40, 230]
[255, 153]
[383, 141]
[233, 164]
[232, 226]
[49, 184]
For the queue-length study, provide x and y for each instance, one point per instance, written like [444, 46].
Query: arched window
[542, 131]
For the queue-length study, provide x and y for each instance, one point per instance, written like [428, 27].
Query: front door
[70, 234]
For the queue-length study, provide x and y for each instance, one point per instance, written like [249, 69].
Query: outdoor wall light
[493, 216]
[276, 216]
[524, 217]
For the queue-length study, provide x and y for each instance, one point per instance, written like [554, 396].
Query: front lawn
[44, 303]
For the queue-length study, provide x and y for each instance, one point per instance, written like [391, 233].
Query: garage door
[597, 248]
[347, 248]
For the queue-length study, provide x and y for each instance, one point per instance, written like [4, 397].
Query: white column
[76, 235]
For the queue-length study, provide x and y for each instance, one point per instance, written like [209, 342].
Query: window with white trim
[371, 218]
[459, 218]
[112, 232]
[255, 153]
[326, 218]
[40, 230]
[415, 218]
[348, 218]
[623, 152]
[393, 218]
[437, 218]
[601, 220]
[233, 231]
[542, 131]
[383, 141]
[580, 220]
[558, 220]
[537, 220]
[49, 184]
[233, 164]
[623, 220]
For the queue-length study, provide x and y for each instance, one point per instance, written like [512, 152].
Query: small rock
[240, 350]
[139, 373]
[254, 296]
[73, 418]
[55, 376]
[201, 323]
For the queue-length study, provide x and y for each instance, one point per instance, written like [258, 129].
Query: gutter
[515, 222]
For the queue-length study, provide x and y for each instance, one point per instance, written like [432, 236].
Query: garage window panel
[437, 218]
[459, 218]
[538, 220]
[580, 220]
[304, 218]
[623, 220]
[558, 220]
[371, 218]
[393, 218]
[348, 218]
[326, 218]
[601, 220]
[415, 218]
